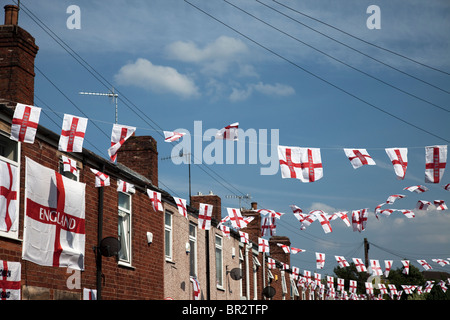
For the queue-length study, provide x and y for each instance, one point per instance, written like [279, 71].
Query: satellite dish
[236, 274]
[269, 292]
[109, 247]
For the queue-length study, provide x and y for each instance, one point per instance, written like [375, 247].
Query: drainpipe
[247, 272]
[99, 239]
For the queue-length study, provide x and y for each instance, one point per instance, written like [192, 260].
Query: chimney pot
[11, 14]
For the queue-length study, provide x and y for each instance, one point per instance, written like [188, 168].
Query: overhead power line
[338, 60]
[315, 75]
[362, 40]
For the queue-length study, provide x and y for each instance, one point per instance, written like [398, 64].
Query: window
[193, 250]
[168, 235]
[10, 153]
[294, 290]
[241, 266]
[256, 264]
[125, 227]
[283, 284]
[219, 261]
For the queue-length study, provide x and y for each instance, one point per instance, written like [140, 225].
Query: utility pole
[366, 252]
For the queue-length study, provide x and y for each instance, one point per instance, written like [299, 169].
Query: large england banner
[54, 223]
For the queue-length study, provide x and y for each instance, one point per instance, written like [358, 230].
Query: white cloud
[266, 89]
[222, 48]
[160, 79]
[215, 57]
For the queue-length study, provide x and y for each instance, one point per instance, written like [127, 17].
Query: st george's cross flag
[69, 165]
[170, 136]
[155, 198]
[72, 133]
[300, 163]
[230, 132]
[101, 179]
[399, 159]
[89, 294]
[8, 197]
[181, 204]
[25, 123]
[10, 276]
[124, 186]
[204, 216]
[54, 223]
[435, 159]
[119, 135]
[359, 157]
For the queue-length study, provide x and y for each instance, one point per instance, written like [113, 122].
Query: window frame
[168, 229]
[219, 273]
[129, 213]
[193, 268]
[16, 163]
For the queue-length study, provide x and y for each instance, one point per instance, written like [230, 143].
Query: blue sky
[173, 65]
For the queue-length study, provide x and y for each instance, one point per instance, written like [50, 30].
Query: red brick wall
[140, 154]
[17, 53]
[278, 254]
[211, 199]
[143, 281]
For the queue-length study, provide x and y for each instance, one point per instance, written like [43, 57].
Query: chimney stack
[17, 53]
[211, 199]
[140, 153]
[254, 227]
[11, 15]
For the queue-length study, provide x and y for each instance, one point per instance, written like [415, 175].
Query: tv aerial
[110, 94]
[246, 197]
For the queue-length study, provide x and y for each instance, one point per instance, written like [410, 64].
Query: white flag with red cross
[196, 288]
[359, 157]
[204, 216]
[416, 189]
[124, 186]
[72, 133]
[263, 245]
[360, 266]
[320, 260]
[119, 135]
[230, 132]
[10, 276]
[435, 159]
[155, 198]
[25, 123]
[101, 179]
[440, 205]
[181, 204]
[304, 164]
[399, 159]
[8, 197]
[171, 136]
[324, 221]
[69, 165]
[268, 226]
[342, 262]
[54, 223]
[237, 221]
